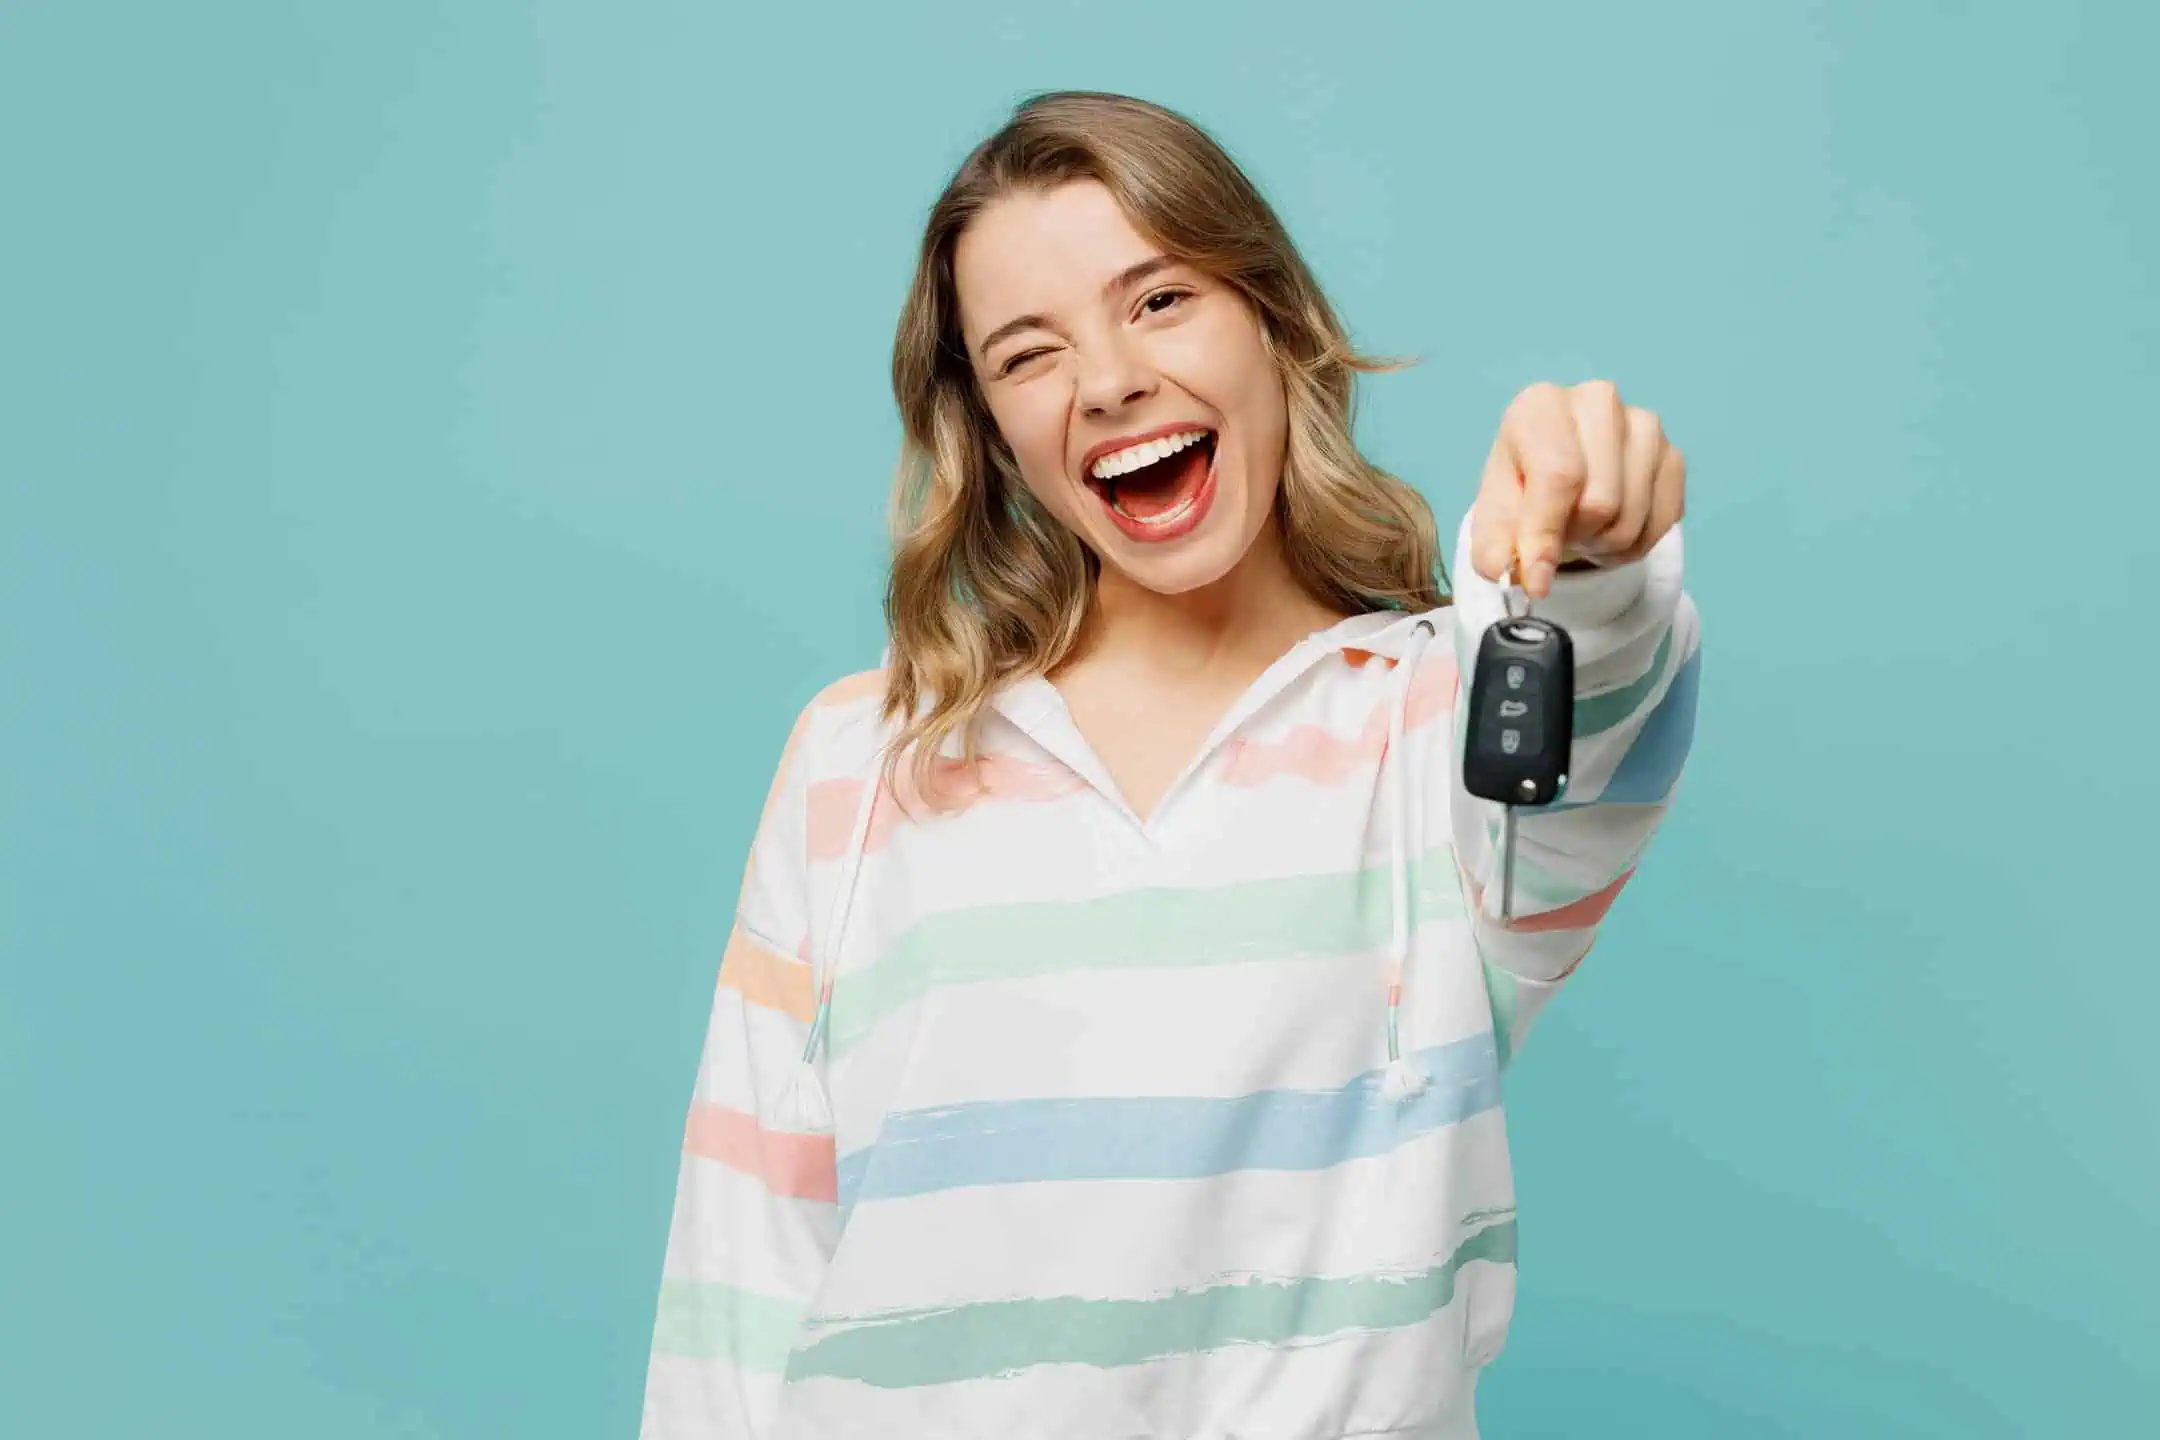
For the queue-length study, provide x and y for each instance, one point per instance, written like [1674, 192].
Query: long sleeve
[1636, 638]
[756, 1214]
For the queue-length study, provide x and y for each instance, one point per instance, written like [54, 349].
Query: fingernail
[1541, 577]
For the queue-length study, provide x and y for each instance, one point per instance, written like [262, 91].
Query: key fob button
[1519, 711]
[1520, 721]
[1515, 737]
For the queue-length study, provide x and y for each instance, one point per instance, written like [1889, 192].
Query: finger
[1668, 502]
[1492, 520]
[1668, 499]
[1548, 456]
[1641, 453]
[1601, 430]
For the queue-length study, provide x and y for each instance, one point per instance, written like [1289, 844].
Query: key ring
[1510, 582]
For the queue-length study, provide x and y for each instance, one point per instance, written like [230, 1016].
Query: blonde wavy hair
[986, 586]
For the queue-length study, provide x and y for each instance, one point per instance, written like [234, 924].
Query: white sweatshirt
[1034, 1120]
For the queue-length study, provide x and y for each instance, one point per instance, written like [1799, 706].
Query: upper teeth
[1147, 452]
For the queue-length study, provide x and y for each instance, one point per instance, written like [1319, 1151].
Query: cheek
[1270, 418]
[1260, 414]
[1231, 371]
[1034, 427]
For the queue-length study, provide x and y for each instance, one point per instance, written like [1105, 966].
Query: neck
[1244, 620]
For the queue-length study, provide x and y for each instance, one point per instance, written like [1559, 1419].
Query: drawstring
[1404, 1078]
[805, 1106]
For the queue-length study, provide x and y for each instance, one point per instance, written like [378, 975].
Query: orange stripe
[803, 1166]
[850, 688]
[764, 978]
[1575, 915]
[843, 691]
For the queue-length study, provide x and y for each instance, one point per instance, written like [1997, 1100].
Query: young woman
[1109, 1042]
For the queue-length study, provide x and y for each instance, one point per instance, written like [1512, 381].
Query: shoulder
[864, 687]
[841, 731]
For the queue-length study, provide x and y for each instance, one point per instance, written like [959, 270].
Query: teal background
[443, 444]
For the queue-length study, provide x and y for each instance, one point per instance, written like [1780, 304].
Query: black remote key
[1521, 725]
[1522, 712]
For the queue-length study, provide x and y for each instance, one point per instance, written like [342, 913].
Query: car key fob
[1521, 724]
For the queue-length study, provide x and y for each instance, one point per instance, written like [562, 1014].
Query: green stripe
[705, 1321]
[1595, 713]
[937, 1347]
[1302, 916]
[1500, 990]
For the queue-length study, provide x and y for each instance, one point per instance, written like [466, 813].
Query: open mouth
[1159, 489]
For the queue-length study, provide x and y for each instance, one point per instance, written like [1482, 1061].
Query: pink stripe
[802, 1166]
[832, 803]
[831, 819]
[1325, 758]
[843, 691]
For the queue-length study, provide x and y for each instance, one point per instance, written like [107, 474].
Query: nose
[1112, 377]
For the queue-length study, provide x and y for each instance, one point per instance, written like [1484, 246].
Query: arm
[755, 1217]
[1635, 634]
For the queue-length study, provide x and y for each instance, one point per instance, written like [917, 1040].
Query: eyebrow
[1125, 279]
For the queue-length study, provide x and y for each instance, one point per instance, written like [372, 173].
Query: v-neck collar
[1037, 707]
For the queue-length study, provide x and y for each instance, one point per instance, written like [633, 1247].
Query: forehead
[1042, 251]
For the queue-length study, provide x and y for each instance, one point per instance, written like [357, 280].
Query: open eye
[1167, 298]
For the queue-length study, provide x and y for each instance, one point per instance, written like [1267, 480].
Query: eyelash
[1174, 292]
[1018, 360]
[1177, 292]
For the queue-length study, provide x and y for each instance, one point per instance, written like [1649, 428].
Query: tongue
[1159, 488]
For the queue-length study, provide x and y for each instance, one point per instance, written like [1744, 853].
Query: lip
[1196, 509]
[1160, 432]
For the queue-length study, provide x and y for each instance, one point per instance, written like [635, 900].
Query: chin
[1191, 567]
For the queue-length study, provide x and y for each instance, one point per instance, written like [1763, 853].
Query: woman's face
[1134, 390]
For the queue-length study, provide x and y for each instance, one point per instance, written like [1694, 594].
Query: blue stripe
[1174, 1138]
[1647, 773]
[1600, 712]
[1652, 764]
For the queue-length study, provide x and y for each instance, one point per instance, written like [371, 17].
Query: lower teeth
[1163, 519]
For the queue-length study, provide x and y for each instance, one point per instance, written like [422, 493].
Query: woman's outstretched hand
[1574, 475]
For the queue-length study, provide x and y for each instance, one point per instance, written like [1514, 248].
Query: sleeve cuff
[1582, 602]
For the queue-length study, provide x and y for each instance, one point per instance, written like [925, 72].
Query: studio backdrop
[444, 444]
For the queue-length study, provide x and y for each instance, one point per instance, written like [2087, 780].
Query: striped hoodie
[1031, 1120]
